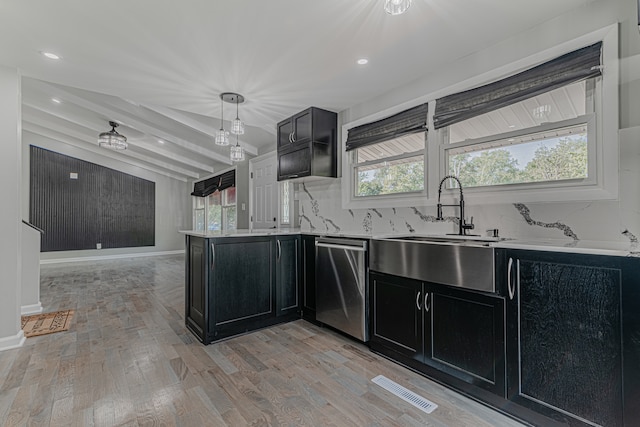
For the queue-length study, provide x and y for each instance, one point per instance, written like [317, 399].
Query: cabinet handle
[213, 255]
[418, 300]
[293, 137]
[511, 290]
[279, 250]
[427, 301]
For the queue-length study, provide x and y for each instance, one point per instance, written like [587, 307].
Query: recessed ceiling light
[512, 126]
[363, 61]
[50, 55]
[56, 100]
[511, 139]
[160, 141]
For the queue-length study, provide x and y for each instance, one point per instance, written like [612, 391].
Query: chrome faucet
[462, 223]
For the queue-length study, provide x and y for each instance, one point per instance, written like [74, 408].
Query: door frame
[271, 154]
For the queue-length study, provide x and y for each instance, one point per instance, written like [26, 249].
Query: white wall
[173, 202]
[10, 218]
[320, 206]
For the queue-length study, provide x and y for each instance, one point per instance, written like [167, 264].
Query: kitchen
[321, 206]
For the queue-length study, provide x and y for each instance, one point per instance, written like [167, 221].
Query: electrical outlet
[243, 207]
[73, 175]
[98, 245]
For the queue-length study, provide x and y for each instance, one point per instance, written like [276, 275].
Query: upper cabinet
[307, 145]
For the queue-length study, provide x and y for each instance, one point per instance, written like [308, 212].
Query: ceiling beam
[124, 117]
[184, 119]
[123, 156]
[153, 148]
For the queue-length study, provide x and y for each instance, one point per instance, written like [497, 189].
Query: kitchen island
[240, 282]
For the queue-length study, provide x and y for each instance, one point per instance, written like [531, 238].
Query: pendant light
[237, 152]
[396, 7]
[112, 140]
[237, 127]
[222, 136]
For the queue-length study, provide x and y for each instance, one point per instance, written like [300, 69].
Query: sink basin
[449, 260]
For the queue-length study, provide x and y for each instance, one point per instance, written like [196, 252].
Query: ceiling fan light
[396, 7]
[112, 140]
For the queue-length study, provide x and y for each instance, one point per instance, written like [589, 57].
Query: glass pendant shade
[112, 140]
[237, 153]
[222, 137]
[237, 127]
[396, 7]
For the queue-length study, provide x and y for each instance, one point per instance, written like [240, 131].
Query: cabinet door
[242, 281]
[397, 314]
[308, 277]
[567, 347]
[303, 127]
[196, 287]
[467, 337]
[294, 163]
[285, 132]
[287, 274]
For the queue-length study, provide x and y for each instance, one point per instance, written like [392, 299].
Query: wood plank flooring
[128, 360]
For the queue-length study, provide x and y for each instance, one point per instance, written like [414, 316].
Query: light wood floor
[128, 360]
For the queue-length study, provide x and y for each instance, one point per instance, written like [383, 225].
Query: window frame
[604, 127]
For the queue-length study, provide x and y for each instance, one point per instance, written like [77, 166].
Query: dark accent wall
[102, 205]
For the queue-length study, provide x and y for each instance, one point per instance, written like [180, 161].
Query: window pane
[230, 217]
[555, 155]
[230, 196]
[198, 202]
[214, 212]
[405, 144]
[567, 102]
[390, 177]
[199, 220]
[285, 203]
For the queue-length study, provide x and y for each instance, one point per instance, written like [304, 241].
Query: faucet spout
[462, 224]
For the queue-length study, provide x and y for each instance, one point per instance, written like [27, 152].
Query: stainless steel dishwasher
[341, 285]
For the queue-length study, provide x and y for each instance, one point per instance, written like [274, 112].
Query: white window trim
[607, 160]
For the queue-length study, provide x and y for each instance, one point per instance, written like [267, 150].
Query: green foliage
[392, 179]
[566, 160]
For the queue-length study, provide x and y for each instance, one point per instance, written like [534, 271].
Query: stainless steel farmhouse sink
[448, 260]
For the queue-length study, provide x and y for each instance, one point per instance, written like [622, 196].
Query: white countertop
[551, 245]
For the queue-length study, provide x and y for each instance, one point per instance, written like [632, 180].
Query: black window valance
[210, 185]
[406, 122]
[569, 68]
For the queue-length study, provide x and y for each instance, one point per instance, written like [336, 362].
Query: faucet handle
[468, 225]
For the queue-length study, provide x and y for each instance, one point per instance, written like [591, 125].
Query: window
[390, 167]
[214, 204]
[387, 157]
[542, 139]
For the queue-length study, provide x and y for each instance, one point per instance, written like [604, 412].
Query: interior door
[264, 187]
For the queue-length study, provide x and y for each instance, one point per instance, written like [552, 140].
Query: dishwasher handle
[346, 247]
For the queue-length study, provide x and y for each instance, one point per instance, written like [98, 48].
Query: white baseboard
[31, 309]
[16, 341]
[106, 257]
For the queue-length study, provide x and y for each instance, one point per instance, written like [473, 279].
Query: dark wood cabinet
[441, 331]
[397, 316]
[467, 336]
[238, 284]
[196, 289]
[287, 274]
[565, 337]
[307, 144]
[243, 283]
[308, 279]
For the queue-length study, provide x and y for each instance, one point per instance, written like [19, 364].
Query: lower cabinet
[446, 333]
[308, 277]
[287, 275]
[238, 284]
[568, 356]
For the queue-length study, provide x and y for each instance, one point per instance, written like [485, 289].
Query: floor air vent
[404, 394]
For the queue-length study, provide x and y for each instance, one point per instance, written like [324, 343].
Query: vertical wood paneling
[100, 206]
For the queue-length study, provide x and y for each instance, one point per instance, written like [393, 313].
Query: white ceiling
[158, 66]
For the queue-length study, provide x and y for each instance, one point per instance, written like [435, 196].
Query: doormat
[46, 323]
